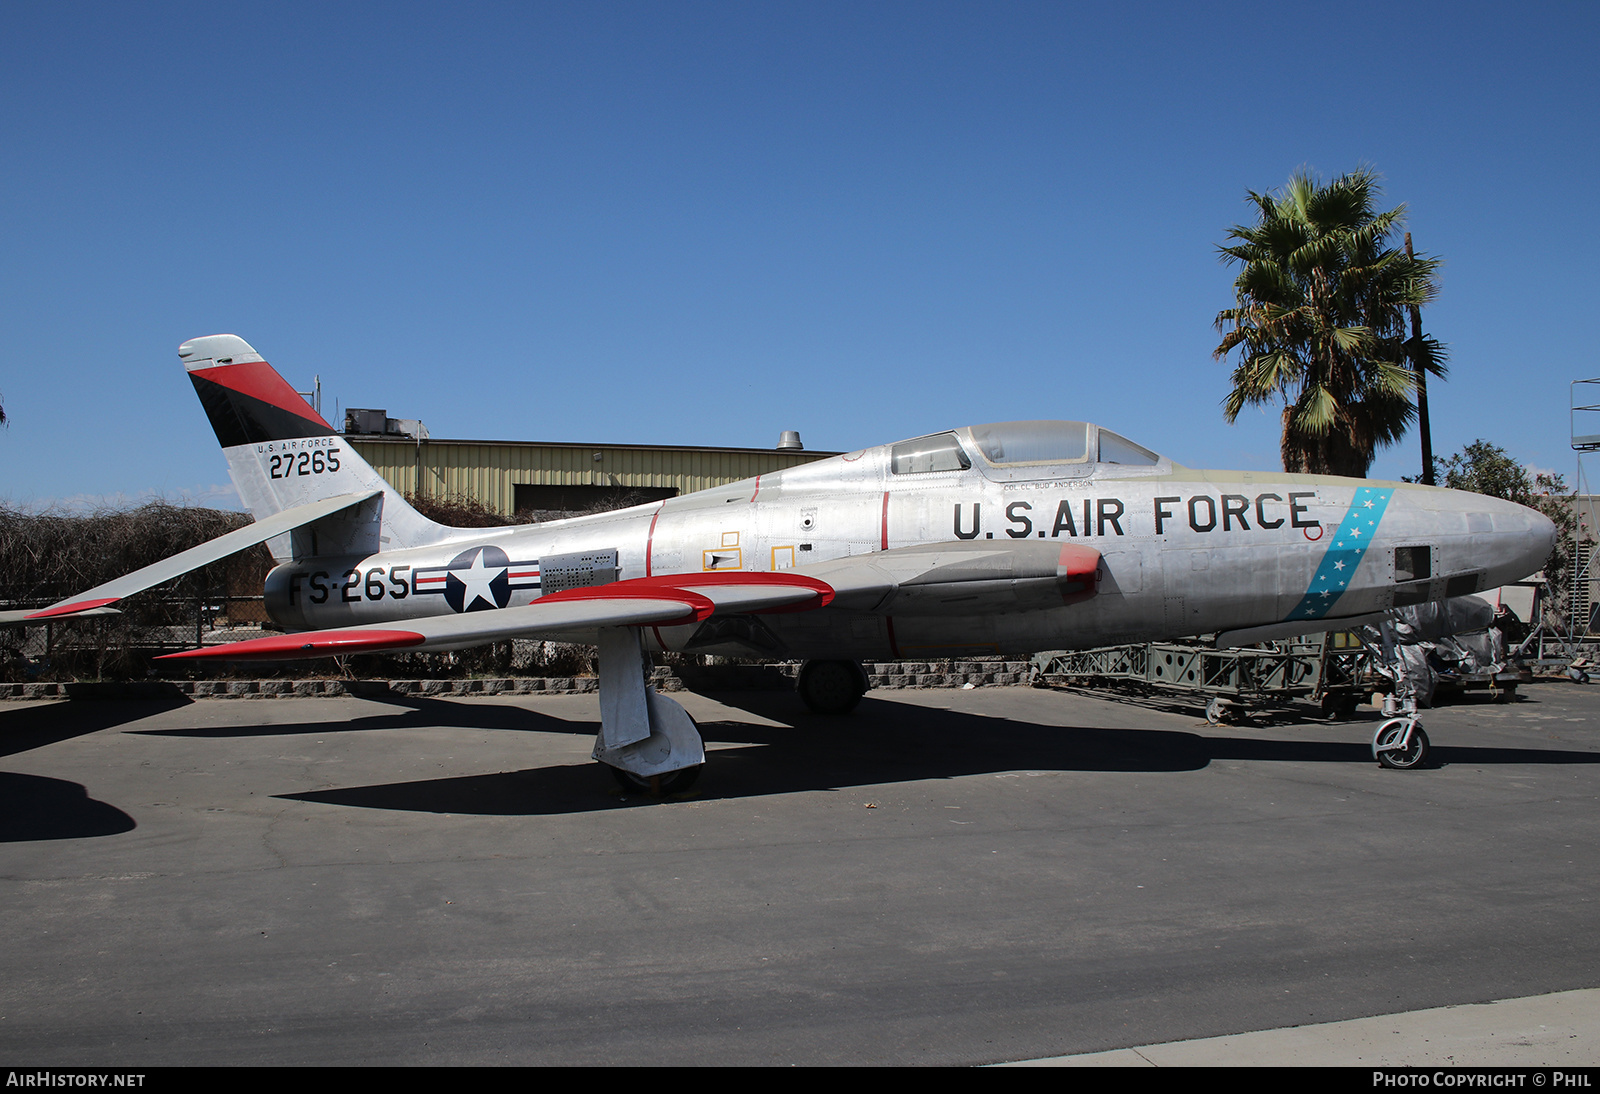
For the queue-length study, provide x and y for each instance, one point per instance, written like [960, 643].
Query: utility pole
[1422, 385]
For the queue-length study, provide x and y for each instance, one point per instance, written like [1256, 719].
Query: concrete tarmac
[942, 877]
[1555, 1031]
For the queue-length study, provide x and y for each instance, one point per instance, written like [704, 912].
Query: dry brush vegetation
[49, 556]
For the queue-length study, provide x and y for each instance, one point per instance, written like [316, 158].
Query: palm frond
[1320, 322]
[1316, 411]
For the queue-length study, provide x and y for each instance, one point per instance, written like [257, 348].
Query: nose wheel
[1400, 744]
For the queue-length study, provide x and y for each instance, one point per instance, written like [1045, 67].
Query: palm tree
[1320, 321]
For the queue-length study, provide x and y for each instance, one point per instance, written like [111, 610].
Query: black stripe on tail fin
[243, 396]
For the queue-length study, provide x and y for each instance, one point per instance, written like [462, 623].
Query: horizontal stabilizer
[22, 616]
[660, 601]
[198, 556]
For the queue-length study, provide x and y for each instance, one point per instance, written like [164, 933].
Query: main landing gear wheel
[831, 687]
[674, 738]
[657, 786]
[1400, 744]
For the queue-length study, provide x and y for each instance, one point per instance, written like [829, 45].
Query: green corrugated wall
[488, 470]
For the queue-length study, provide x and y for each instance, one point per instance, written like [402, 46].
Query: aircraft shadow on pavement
[412, 712]
[33, 807]
[883, 742]
[49, 723]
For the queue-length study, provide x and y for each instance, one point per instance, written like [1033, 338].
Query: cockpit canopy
[1019, 444]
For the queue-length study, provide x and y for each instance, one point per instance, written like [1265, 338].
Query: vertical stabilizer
[282, 454]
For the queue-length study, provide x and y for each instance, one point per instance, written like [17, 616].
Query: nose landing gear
[1400, 743]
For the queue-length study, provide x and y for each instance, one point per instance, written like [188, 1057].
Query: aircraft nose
[1524, 539]
[1505, 540]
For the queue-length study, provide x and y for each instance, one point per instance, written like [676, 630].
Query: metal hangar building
[548, 478]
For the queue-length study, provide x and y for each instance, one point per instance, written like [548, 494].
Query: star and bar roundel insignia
[478, 579]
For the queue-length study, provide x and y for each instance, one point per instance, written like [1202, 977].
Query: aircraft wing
[661, 601]
[192, 559]
[966, 577]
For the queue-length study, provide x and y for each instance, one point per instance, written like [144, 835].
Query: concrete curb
[763, 677]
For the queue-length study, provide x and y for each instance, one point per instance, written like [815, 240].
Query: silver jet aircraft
[1005, 538]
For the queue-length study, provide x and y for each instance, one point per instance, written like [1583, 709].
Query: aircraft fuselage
[1182, 552]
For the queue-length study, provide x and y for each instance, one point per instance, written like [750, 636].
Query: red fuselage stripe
[884, 539]
[650, 540]
[649, 547]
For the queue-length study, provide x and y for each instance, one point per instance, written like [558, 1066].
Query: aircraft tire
[1414, 754]
[831, 687]
[657, 786]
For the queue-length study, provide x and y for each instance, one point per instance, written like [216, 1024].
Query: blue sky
[704, 223]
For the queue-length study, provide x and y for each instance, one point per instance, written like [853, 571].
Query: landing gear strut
[648, 740]
[831, 687]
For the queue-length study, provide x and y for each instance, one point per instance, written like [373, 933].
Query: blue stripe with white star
[1344, 554]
